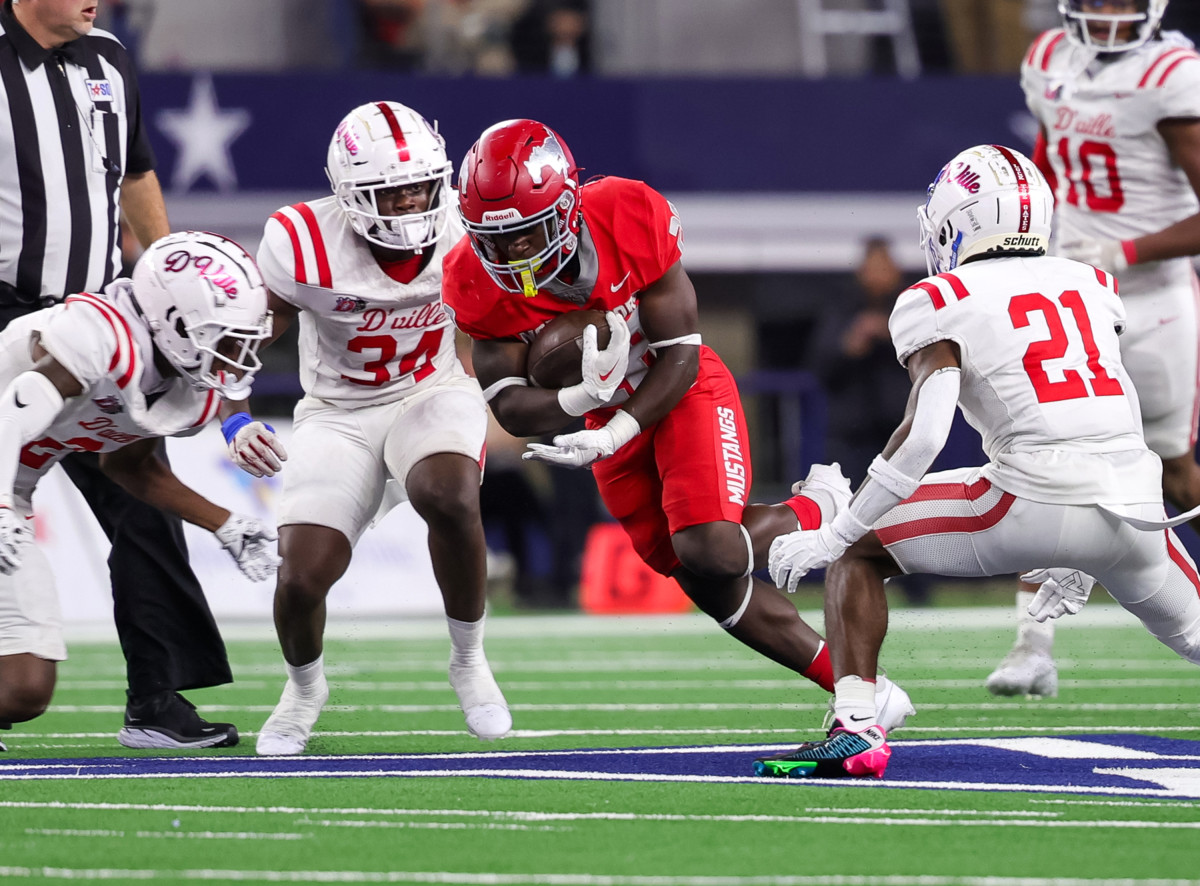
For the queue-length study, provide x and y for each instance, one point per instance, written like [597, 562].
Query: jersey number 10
[1072, 386]
[1092, 155]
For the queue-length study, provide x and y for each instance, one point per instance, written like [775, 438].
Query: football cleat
[843, 754]
[1024, 671]
[481, 700]
[825, 484]
[289, 727]
[893, 707]
[168, 720]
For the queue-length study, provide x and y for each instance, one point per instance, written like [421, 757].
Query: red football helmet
[520, 176]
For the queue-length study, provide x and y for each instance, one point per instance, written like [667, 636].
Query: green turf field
[580, 683]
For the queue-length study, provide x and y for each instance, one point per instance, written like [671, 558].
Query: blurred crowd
[567, 38]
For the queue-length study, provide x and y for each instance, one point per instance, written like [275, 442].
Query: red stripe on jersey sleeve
[1175, 64]
[1101, 277]
[120, 329]
[1158, 63]
[297, 253]
[935, 294]
[1044, 47]
[324, 277]
[960, 291]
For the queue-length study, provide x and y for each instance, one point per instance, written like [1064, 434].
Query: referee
[74, 154]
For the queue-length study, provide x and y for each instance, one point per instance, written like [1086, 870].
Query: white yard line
[551, 879]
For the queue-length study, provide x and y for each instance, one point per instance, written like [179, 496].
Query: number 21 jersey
[1042, 379]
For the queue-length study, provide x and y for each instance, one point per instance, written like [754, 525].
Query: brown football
[555, 354]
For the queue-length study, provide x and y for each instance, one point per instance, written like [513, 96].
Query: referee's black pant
[168, 635]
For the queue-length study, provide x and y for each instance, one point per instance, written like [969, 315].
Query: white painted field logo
[731, 456]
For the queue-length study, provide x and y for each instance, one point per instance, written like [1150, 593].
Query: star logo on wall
[203, 133]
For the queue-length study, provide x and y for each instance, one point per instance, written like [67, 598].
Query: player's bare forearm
[1182, 137]
[139, 470]
[529, 411]
[673, 372]
[144, 207]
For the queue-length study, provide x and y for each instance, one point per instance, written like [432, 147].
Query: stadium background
[781, 165]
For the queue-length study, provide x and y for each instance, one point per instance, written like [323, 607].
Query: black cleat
[168, 720]
[843, 754]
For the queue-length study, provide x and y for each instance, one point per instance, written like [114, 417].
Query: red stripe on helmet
[397, 133]
[1022, 187]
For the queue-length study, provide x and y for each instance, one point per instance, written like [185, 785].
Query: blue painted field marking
[1119, 764]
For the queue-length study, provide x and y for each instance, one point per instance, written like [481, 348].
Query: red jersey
[629, 239]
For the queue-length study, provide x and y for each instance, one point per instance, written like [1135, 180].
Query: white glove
[582, 448]
[794, 555]
[16, 534]
[257, 451]
[1108, 255]
[1062, 592]
[603, 370]
[247, 540]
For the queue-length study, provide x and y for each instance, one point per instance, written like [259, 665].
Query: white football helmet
[989, 199]
[205, 303]
[387, 145]
[1079, 15]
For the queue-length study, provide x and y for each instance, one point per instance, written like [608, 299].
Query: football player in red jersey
[665, 435]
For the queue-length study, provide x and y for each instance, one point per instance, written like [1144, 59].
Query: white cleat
[481, 700]
[827, 482]
[1024, 671]
[892, 706]
[287, 730]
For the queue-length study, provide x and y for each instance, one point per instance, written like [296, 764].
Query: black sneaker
[168, 720]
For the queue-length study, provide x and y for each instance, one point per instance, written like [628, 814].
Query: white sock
[306, 677]
[854, 702]
[466, 642]
[1029, 632]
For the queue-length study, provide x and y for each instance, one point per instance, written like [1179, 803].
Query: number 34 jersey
[1042, 379]
[1115, 176]
[365, 338]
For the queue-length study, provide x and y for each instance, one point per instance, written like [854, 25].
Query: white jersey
[1115, 177]
[104, 343]
[1042, 379]
[364, 337]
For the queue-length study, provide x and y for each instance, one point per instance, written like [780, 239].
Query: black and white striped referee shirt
[70, 129]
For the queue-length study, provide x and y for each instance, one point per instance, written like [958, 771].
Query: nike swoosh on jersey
[615, 286]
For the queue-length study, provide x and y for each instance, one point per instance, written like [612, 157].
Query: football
[555, 354]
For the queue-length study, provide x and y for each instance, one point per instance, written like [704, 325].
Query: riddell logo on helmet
[499, 215]
[1019, 240]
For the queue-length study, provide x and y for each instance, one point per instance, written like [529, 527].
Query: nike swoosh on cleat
[17, 400]
[615, 286]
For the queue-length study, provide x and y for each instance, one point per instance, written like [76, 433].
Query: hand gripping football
[555, 354]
